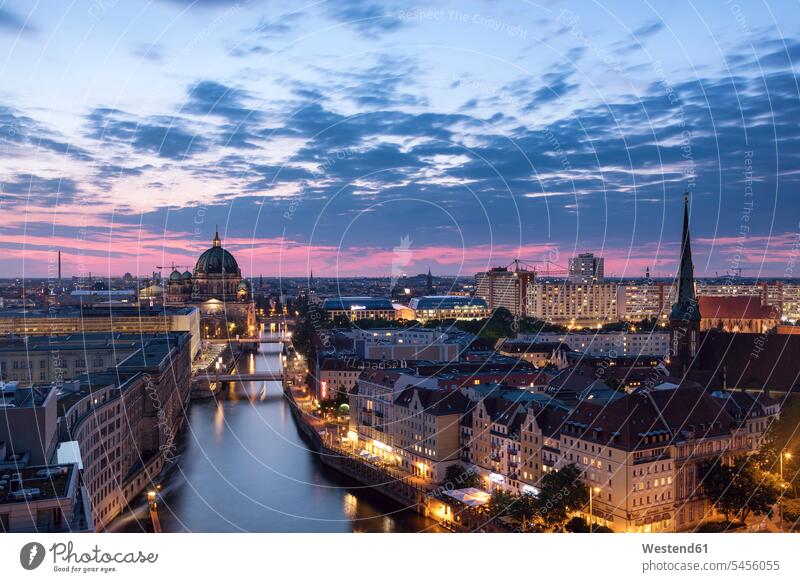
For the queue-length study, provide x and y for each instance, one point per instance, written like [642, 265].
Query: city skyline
[338, 141]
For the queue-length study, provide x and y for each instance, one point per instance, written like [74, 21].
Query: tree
[501, 504]
[460, 477]
[579, 525]
[342, 321]
[739, 488]
[562, 493]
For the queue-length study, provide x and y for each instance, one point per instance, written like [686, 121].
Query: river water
[243, 466]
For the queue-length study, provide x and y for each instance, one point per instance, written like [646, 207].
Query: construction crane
[173, 267]
[558, 271]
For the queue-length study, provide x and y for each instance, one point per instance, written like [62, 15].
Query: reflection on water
[244, 467]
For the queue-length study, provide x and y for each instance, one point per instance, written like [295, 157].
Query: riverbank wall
[408, 495]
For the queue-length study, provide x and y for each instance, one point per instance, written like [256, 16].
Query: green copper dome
[216, 261]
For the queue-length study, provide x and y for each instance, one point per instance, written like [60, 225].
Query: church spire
[217, 241]
[685, 307]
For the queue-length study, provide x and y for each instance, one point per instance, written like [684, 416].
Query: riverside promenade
[407, 491]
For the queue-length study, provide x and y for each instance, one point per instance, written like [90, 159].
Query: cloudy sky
[355, 137]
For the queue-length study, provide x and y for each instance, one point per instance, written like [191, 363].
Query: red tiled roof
[735, 308]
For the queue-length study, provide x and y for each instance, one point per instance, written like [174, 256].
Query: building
[585, 269]
[408, 344]
[500, 287]
[355, 308]
[217, 289]
[39, 491]
[495, 444]
[573, 304]
[125, 421]
[642, 467]
[637, 452]
[336, 376]
[439, 307]
[68, 320]
[510, 372]
[28, 418]
[720, 359]
[734, 314]
[540, 354]
[43, 499]
[55, 359]
[644, 300]
[426, 431]
[606, 343]
[92, 297]
[372, 410]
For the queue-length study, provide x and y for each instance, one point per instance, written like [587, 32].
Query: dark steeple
[685, 307]
[429, 282]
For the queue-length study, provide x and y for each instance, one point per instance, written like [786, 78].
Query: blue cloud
[366, 16]
[13, 23]
[213, 98]
[166, 137]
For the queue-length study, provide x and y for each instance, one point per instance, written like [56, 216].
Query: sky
[358, 137]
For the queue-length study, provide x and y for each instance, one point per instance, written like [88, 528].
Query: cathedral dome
[187, 275]
[216, 261]
[175, 275]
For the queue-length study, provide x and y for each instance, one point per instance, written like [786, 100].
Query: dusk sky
[348, 136]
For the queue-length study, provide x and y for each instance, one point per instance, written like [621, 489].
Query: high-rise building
[637, 301]
[580, 304]
[503, 288]
[586, 268]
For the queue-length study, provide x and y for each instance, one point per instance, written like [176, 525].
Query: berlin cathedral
[217, 289]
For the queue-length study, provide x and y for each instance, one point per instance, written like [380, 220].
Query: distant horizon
[730, 278]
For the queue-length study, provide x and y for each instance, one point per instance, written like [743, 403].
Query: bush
[790, 510]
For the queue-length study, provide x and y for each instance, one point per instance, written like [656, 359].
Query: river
[243, 466]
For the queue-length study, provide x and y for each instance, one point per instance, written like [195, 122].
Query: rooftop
[75, 341]
[106, 311]
[446, 302]
[736, 307]
[357, 303]
[26, 397]
[34, 483]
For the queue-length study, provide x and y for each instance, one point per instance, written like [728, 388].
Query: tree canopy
[740, 488]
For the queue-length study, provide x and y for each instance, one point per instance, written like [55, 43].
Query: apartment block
[573, 304]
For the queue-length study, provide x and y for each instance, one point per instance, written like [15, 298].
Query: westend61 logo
[67, 559]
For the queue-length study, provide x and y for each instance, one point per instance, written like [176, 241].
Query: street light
[788, 456]
[591, 511]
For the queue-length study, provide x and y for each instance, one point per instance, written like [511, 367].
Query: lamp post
[788, 456]
[592, 490]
